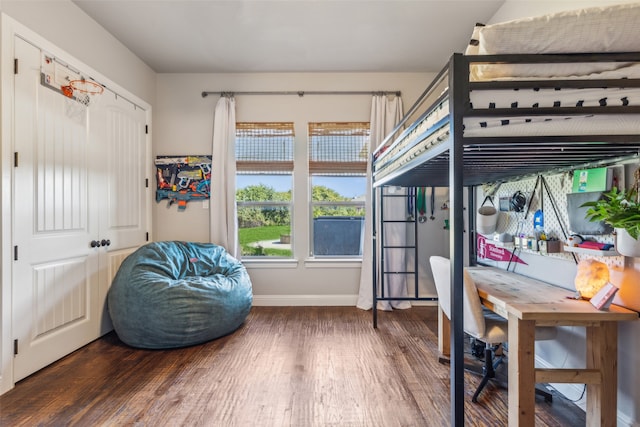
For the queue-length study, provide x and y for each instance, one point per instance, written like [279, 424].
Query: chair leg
[483, 383]
[548, 397]
[491, 361]
[488, 370]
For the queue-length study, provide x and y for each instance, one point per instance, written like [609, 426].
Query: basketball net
[86, 92]
[80, 95]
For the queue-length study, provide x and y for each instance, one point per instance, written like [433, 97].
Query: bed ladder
[382, 248]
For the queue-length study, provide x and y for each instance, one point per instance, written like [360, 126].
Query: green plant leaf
[619, 209]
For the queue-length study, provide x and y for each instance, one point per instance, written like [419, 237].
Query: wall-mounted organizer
[522, 202]
[181, 179]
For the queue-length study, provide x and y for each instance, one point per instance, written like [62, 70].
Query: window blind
[338, 148]
[264, 147]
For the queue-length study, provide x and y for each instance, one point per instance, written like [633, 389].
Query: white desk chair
[479, 323]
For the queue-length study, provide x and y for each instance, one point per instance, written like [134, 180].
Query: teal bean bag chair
[176, 294]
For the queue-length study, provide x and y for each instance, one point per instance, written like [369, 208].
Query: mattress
[437, 117]
[596, 29]
[409, 150]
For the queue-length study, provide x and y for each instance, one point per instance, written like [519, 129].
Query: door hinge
[15, 253]
[15, 65]
[15, 347]
[146, 182]
[146, 129]
[15, 159]
[147, 236]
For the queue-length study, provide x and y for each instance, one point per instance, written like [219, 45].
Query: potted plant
[621, 210]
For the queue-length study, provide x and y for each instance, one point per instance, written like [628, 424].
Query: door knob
[105, 242]
[95, 244]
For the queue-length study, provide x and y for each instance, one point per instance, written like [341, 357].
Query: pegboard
[556, 221]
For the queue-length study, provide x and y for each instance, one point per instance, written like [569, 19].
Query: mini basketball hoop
[84, 91]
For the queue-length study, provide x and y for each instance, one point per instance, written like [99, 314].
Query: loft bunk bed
[480, 132]
[493, 118]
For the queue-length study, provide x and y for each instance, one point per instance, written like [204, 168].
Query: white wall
[568, 350]
[183, 125]
[65, 25]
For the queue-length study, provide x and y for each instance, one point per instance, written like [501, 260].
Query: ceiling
[215, 36]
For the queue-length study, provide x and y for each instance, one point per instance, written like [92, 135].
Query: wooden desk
[528, 303]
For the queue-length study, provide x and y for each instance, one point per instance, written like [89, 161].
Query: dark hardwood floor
[286, 366]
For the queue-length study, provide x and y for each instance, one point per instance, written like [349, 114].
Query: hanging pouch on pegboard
[486, 217]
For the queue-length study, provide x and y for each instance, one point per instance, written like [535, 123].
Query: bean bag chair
[176, 294]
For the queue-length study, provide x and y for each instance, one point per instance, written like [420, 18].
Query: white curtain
[385, 115]
[223, 211]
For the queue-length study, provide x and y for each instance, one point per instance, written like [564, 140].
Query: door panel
[55, 276]
[119, 127]
[59, 295]
[126, 158]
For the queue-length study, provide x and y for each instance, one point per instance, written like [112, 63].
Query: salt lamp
[592, 275]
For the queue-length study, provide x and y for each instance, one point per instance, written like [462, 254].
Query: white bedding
[547, 97]
[558, 124]
[431, 120]
[597, 29]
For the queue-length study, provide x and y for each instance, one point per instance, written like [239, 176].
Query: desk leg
[602, 342]
[522, 374]
[444, 335]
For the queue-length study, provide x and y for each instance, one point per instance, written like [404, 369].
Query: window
[264, 166]
[338, 156]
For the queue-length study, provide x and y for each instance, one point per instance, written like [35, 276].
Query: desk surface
[529, 299]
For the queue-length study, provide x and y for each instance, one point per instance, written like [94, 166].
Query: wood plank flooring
[286, 366]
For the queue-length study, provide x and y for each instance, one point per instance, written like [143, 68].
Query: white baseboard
[304, 300]
[317, 300]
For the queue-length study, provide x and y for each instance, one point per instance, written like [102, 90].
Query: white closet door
[55, 304]
[118, 126]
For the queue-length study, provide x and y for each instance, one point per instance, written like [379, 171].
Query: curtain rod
[302, 93]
